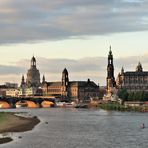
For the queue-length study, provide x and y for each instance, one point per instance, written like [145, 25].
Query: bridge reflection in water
[29, 102]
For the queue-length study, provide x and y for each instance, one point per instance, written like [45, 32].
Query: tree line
[133, 96]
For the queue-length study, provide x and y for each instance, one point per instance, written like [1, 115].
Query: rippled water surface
[71, 128]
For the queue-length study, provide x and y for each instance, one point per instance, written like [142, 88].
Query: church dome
[33, 74]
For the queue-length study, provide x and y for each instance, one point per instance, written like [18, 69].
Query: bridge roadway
[35, 99]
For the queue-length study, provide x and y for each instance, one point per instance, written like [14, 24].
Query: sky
[75, 34]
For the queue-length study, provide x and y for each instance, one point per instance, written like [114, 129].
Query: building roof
[136, 73]
[3, 86]
[54, 83]
[73, 83]
[82, 83]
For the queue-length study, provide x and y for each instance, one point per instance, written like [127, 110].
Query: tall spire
[23, 81]
[110, 71]
[139, 67]
[110, 51]
[43, 79]
[122, 70]
[110, 56]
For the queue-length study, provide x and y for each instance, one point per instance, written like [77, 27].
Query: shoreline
[13, 123]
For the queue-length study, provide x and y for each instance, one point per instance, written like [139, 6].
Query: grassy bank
[12, 123]
[3, 117]
[119, 107]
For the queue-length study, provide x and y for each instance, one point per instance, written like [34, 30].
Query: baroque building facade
[70, 90]
[133, 80]
[32, 83]
[33, 75]
[64, 89]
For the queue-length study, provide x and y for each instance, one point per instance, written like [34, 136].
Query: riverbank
[119, 107]
[9, 122]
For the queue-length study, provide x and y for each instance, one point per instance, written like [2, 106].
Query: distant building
[133, 80]
[12, 92]
[11, 85]
[9, 89]
[32, 83]
[3, 89]
[64, 89]
[70, 90]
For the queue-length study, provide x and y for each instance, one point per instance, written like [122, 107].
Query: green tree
[138, 96]
[145, 96]
[130, 96]
[123, 94]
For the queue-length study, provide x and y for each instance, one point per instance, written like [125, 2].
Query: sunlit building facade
[71, 90]
[133, 80]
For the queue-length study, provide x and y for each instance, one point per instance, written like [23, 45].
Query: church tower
[120, 79]
[23, 81]
[65, 83]
[33, 75]
[23, 86]
[43, 79]
[110, 72]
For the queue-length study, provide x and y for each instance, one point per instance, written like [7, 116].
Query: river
[82, 128]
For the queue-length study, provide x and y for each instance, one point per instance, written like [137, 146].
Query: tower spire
[139, 67]
[110, 48]
[122, 70]
[110, 72]
[43, 79]
[23, 81]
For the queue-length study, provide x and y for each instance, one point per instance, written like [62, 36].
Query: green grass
[3, 116]
[112, 106]
[119, 107]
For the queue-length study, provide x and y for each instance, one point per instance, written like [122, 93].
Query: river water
[82, 128]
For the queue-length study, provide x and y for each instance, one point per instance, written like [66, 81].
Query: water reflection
[72, 128]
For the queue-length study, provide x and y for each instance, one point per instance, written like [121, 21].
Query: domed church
[33, 75]
[63, 89]
[32, 83]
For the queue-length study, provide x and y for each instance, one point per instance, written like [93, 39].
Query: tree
[130, 96]
[123, 94]
[145, 96]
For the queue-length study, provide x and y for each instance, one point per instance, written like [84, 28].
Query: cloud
[94, 68]
[6, 70]
[36, 20]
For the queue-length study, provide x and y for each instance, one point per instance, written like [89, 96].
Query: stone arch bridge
[36, 99]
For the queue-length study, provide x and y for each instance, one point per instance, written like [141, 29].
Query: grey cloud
[81, 65]
[8, 70]
[36, 20]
